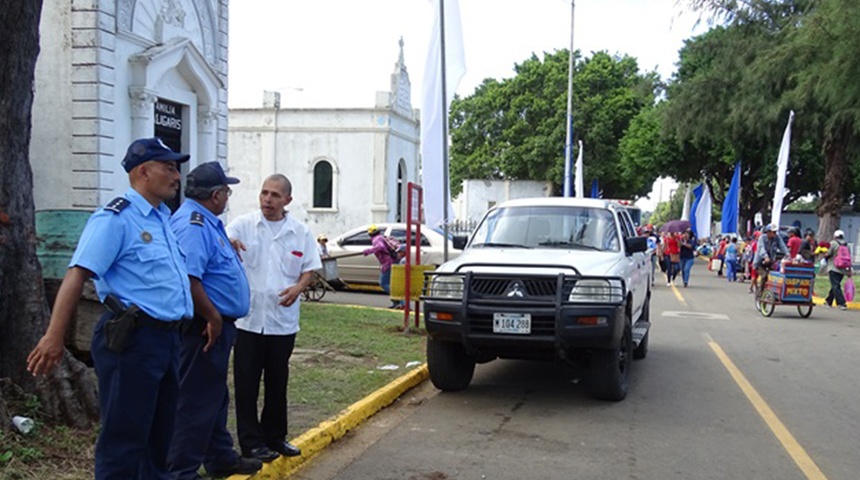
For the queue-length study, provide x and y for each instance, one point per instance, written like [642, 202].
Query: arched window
[323, 185]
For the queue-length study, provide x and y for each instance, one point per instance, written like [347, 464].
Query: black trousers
[257, 356]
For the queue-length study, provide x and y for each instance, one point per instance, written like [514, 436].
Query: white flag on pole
[580, 192]
[685, 211]
[703, 213]
[433, 117]
[782, 169]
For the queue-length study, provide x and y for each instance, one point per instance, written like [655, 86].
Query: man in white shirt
[279, 255]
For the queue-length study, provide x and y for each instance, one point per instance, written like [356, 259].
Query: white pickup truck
[543, 279]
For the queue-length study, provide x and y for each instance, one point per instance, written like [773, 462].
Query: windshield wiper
[556, 243]
[497, 244]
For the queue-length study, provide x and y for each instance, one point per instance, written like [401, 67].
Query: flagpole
[568, 144]
[445, 181]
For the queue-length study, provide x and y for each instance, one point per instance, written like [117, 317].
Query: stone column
[142, 111]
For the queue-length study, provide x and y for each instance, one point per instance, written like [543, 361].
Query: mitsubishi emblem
[516, 290]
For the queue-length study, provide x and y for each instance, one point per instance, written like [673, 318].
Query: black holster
[118, 329]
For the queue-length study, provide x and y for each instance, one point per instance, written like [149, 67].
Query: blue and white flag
[595, 191]
[731, 204]
[700, 213]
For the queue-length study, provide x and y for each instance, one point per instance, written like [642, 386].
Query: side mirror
[635, 244]
[460, 241]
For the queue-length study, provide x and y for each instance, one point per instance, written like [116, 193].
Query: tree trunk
[835, 150]
[69, 393]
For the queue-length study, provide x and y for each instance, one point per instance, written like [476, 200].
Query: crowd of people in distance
[749, 258]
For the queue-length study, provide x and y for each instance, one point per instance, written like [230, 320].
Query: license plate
[518, 323]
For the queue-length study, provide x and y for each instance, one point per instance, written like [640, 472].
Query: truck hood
[534, 261]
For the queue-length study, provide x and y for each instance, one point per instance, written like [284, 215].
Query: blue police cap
[146, 149]
[209, 174]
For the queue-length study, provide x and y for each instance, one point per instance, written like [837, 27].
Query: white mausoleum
[348, 167]
[478, 196]
[111, 71]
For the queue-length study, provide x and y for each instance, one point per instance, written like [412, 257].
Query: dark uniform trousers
[138, 390]
[201, 435]
[256, 355]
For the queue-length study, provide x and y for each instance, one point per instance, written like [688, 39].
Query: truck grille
[514, 287]
[541, 324]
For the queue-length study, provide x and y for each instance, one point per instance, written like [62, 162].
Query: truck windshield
[548, 227]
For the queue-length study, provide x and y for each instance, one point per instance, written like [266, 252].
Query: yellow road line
[797, 452]
[678, 295]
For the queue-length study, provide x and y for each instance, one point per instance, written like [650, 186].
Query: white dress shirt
[273, 262]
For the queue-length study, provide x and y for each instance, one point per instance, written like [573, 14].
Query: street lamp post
[568, 144]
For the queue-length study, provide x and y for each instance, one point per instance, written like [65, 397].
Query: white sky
[339, 53]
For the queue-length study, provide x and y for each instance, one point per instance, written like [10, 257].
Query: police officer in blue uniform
[131, 253]
[221, 294]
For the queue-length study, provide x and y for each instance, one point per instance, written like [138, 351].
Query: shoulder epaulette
[196, 218]
[117, 205]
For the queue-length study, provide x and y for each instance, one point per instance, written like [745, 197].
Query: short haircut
[286, 185]
[200, 193]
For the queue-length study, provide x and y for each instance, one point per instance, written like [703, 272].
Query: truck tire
[610, 370]
[451, 368]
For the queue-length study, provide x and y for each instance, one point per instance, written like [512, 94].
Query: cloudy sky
[339, 53]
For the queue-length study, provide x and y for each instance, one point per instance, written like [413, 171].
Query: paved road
[724, 393]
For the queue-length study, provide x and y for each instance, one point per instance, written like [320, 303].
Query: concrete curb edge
[316, 439]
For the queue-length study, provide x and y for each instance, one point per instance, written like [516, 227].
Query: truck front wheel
[451, 368]
[610, 370]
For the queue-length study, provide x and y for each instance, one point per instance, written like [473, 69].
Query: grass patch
[335, 363]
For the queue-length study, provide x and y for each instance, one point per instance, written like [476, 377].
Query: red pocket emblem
[297, 253]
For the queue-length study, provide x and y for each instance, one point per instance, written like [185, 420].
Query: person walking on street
[687, 255]
[794, 242]
[379, 247]
[838, 267]
[129, 250]
[732, 265]
[672, 253]
[279, 254]
[721, 254]
[654, 248]
[808, 246]
[221, 294]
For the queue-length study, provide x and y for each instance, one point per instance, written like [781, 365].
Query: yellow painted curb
[316, 439]
[851, 305]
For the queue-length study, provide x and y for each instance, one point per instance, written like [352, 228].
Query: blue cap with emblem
[147, 149]
[209, 174]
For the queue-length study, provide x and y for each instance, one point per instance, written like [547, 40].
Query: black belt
[142, 319]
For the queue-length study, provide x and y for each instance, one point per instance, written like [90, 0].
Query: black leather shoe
[287, 449]
[243, 466]
[263, 454]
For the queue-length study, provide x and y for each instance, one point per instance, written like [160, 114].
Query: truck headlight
[446, 286]
[596, 291]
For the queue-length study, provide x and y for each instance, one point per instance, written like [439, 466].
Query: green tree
[68, 394]
[727, 104]
[812, 64]
[515, 128]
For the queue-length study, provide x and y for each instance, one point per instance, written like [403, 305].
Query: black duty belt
[145, 320]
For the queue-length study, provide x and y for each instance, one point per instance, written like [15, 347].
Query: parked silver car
[361, 269]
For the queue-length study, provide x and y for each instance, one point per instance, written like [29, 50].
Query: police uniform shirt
[273, 262]
[133, 254]
[210, 258]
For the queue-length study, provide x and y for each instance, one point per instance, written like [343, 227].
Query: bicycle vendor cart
[323, 278]
[791, 285]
